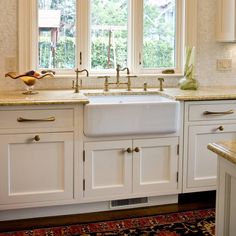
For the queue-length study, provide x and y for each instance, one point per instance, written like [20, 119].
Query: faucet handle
[106, 84]
[145, 86]
[161, 80]
[129, 81]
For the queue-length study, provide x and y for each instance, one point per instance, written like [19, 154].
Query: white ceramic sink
[130, 115]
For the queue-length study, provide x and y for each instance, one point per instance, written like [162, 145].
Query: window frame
[28, 34]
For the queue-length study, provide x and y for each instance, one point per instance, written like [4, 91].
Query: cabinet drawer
[40, 118]
[220, 111]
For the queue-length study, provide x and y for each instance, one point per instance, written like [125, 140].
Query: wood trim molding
[191, 23]
[26, 34]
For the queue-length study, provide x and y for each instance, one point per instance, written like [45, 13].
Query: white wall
[208, 50]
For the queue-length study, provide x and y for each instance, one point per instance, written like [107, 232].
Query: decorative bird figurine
[29, 78]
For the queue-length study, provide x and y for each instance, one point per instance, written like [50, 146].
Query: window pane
[109, 33]
[57, 33]
[159, 34]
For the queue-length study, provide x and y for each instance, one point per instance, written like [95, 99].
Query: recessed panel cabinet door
[36, 167]
[202, 163]
[225, 20]
[108, 169]
[155, 166]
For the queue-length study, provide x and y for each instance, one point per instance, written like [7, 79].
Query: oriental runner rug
[196, 223]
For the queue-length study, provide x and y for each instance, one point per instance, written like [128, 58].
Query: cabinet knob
[137, 149]
[221, 128]
[129, 150]
[36, 138]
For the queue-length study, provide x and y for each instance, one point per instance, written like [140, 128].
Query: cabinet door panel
[107, 169]
[155, 166]
[202, 163]
[36, 170]
[225, 12]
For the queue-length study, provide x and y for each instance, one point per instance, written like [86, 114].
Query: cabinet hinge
[83, 184]
[178, 149]
[177, 177]
[83, 155]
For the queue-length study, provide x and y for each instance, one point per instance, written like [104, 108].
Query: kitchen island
[226, 187]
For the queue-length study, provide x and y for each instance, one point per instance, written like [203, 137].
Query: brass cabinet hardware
[218, 112]
[137, 149]
[221, 128]
[129, 150]
[21, 119]
[36, 138]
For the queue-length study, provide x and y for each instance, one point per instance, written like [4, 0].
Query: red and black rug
[198, 223]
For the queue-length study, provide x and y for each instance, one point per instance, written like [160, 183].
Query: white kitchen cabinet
[107, 169]
[36, 156]
[126, 168]
[226, 188]
[226, 21]
[205, 122]
[34, 170]
[202, 164]
[155, 166]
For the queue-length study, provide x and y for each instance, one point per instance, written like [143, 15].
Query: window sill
[72, 76]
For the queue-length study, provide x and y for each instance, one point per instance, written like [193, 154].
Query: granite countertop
[225, 149]
[68, 96]
[205, 93]
[202, 94]
[8, 98]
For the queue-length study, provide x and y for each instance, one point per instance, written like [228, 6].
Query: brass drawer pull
[218, 112]
[36, 138]
[21, 119]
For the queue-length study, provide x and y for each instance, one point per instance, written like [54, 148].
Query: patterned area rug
[199, 222]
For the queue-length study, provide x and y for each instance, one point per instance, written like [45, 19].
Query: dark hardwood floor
[191, 201]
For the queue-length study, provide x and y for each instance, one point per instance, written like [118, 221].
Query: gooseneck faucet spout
[78, 84]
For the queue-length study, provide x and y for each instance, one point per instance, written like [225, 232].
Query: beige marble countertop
[205, 93]
[8, 98]
[68, 96]
[224, 149]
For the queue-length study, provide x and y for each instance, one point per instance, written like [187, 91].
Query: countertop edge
[222, 151]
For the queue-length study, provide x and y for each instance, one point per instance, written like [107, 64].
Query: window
[159, 31]
[144, 35]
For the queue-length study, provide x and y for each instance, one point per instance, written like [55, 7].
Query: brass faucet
[118, 83]
[78, 84]
[118, 69]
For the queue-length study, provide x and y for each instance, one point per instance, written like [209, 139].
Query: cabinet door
[202, 163]
[108, 169]
[155, 166]
[36, 169]
[225, 31]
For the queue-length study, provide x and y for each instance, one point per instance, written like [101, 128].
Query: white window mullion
[180, 39]
[83, 34]
[27, 35]
[137, 35]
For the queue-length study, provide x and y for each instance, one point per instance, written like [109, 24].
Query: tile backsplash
[208, 51]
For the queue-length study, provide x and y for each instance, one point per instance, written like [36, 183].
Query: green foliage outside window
[158, 45]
